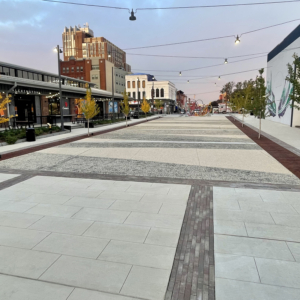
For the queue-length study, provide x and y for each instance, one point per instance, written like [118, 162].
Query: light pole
[113, 92]
[58, 50]
[153, 78]
[138, 95]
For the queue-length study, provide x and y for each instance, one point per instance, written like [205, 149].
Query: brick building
[93, 59]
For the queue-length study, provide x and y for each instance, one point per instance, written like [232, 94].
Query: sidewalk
[74, 135]
[280, 132]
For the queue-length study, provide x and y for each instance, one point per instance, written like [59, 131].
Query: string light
[237, 40]
[226, 61]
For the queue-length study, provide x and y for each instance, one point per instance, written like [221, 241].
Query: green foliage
[228, 89]
[125, 104]
[294, 78]
[10, 139]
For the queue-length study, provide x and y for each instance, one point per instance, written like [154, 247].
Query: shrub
[9, 139]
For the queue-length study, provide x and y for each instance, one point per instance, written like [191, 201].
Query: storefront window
[54, 106]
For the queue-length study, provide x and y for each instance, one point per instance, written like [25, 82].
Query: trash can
[30, 135]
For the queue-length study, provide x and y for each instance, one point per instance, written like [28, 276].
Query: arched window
[157, 93]
[133, 84]
[162, 93]
[144, 84]
[128, 84]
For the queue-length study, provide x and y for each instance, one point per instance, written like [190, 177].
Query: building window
[162, 93]
[35, 76]
[144, 84]
[64, 70]
[30, 75]
[72, 69]
[67, 70]
[93, 68]
[129, 94]
[133, 84]
[128, 84]
[157, 93]
[144, 94]
[81, 69]
[81, 77]
[133, 95]
[77, 69]
[19, 73]
[139, 95]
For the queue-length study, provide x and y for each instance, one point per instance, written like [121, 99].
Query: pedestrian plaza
[174, 208]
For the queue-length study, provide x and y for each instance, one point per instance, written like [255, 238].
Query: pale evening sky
[30, 29]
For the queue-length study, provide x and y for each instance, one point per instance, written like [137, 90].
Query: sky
[30, 29]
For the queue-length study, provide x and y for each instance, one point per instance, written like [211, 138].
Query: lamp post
[138, 96]
[153, 78]
[113, 92]
[58, 50]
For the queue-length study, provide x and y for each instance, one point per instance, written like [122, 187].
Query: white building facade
[141, 85]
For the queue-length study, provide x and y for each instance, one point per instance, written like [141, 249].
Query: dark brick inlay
[10, 182]
[287, 158]
[193, 272]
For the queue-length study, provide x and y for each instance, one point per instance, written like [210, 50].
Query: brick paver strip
[192, 275]
[65, 141]
[287, 158]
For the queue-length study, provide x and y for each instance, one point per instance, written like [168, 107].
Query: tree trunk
[259, 132]
[146, 116]
[88, 127]
[243, 119]
[126, 120]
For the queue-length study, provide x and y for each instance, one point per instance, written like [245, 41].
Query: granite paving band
[288, 159]
[193, 276]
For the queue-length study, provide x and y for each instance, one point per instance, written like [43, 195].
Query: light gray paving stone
[25, 263]
[146, 283]
[163, 237]
[230, 228]
[291, 197]
[235, 267]
[276, 232]
[90, 202]
[50, 190]
[281, 208]
[226, 203]
[47, 199]
[243, 216]
[271, 195]
[13, 195]
[278, 272]
[241, 197]
[14, 288]
[125, 196]
[178, 193]
[179, 200]
[252, 247]
[297, 207]
[12, 219]
[148, 190]
[139, 254]
[120, 232]
[54, 210]
[102, 215]
[88, 273]
[154, 220]
[295, 249]
[286, 220]
[61, 225]
[80, 193]
[225, 191]
[81, 294]
[227, 289]
[19, 207]
[146, 207]
[72, 245]
[172, 209]
[22, 238]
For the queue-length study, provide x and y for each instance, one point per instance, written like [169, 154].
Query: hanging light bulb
[219, 78]
[226, 61]
[180, 73]
[188, 81]
[237, 40]
[132, 17]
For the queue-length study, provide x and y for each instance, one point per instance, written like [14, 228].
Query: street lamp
[153, 78]
[138, 96]
[58, 50]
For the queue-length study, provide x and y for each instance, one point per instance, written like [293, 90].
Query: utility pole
[62, 128]
[138, 96]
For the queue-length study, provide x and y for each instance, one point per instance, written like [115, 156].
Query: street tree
[228, 89]
[158, 104]
[294, 78]
[89, 107]
[145, 107]
[259, 99]
[3, 107]
[125, 105]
